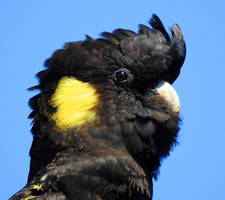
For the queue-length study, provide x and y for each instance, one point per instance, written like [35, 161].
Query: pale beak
[169, 94]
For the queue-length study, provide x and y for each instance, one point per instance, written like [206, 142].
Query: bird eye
[123, 76]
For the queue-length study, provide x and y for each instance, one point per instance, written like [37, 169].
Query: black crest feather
[156, 23]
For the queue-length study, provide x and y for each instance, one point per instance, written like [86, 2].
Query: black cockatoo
[105, 116]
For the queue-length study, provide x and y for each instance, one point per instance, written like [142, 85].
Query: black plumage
[116, 157]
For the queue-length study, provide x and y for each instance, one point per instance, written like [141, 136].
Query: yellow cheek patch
[76, 104]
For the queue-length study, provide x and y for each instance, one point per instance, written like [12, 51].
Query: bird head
[116, 89]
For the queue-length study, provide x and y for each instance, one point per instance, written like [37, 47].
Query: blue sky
[31, 31]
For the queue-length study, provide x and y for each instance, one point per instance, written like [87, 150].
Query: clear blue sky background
[32, 29]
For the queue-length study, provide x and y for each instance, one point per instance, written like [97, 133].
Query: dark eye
[122, 76]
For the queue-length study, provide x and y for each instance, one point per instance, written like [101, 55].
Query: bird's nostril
[150, 92]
